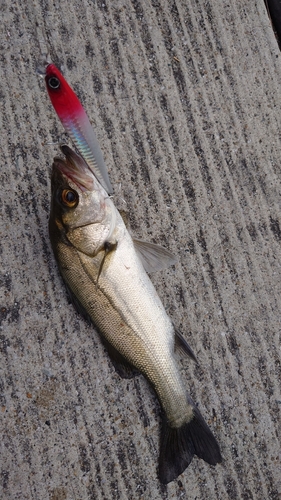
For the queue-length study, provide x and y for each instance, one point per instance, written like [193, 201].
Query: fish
[76, 122]
[105, 273]
[273, 8]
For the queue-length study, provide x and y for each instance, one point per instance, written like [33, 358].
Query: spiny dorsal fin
[78, 306]
[121, 365]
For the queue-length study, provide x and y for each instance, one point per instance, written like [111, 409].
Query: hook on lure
[75, 120]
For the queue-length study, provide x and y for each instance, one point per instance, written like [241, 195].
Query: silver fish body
[99, 263]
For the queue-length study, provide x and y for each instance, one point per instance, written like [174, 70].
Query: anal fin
[184, 347]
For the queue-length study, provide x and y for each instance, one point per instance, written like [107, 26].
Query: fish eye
[69, 198]
[54, 83]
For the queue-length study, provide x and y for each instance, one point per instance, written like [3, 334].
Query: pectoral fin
[108, 247]
[153, 257]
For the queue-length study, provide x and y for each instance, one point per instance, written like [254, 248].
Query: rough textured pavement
[186, 102]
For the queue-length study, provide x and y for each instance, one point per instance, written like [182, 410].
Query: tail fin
[179, 445]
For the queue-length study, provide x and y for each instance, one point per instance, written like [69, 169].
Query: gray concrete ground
[185, 100]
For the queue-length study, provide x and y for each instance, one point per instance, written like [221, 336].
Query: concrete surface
[185, 98]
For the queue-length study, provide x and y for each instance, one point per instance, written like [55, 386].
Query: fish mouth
[75, 168]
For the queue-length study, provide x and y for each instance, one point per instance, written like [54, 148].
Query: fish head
[81, 211]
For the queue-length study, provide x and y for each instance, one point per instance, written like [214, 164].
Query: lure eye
[69, 198]
[54, 83]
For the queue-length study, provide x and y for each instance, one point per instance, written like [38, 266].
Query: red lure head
[61, 94]
[76, 123]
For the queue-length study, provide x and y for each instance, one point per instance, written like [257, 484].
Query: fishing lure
[76, 123]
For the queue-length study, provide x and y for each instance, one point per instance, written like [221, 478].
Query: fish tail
[179, 445]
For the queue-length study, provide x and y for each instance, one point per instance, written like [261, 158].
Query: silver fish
[104, 270]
